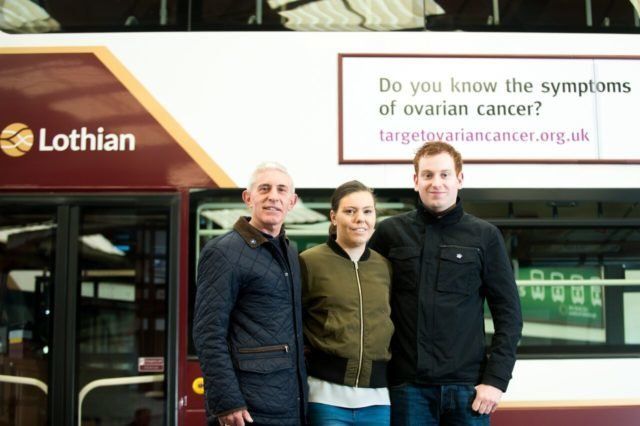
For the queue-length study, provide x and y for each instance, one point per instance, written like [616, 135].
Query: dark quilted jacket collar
[251, 235]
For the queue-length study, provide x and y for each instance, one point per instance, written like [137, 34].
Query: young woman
[347, 325]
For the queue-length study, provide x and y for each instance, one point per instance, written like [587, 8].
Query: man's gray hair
[268, 165]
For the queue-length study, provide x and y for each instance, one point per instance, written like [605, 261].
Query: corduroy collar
[252, 236]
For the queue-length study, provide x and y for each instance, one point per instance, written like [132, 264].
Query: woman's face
[355, 219]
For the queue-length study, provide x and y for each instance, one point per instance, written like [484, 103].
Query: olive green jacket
[346, 315]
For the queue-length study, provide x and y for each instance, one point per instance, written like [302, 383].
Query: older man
[247, 325]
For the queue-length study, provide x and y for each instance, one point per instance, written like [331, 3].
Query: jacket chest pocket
[404, 261]
[458, 269]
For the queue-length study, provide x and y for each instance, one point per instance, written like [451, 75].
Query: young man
[445, 264]
[247, 325]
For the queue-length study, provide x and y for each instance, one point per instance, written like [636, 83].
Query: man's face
[270, 198]
[437, 182]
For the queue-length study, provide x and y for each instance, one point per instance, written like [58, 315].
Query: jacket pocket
[405, 262]
[264, 359]
[458, 266]
[268, 380]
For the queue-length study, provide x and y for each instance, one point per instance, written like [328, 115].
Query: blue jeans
[450, 405]
[330, 415]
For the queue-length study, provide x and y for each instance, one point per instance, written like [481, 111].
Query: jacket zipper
[288, 273]
[273, 348]
[355, 263]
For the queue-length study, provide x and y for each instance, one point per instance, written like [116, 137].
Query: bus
[123, 152]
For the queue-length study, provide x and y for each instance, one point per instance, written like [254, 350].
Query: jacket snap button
[459, 255]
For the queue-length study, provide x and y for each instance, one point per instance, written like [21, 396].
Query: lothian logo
[16, 140]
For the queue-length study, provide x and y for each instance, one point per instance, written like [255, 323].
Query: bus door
[84, 311]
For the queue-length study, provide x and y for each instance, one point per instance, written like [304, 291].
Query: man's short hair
[434, 148]
[268, 165]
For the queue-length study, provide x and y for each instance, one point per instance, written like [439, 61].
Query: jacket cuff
[496, 382]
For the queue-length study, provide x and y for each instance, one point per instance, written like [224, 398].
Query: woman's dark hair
[342, 191]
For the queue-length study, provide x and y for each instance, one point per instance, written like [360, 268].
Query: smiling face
[437, 182]
[270, 198]
[354, 219]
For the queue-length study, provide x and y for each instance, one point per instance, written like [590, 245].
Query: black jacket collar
[450, 217]
[331, 242]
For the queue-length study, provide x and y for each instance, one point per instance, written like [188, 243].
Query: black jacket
[247, 328]
[443, 270]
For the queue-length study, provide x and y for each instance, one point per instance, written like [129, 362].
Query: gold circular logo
[16, 140]
[198, 386]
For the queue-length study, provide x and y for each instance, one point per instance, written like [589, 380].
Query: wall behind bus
[249, 97]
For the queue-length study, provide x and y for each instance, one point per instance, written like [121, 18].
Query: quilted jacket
[248, 328]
